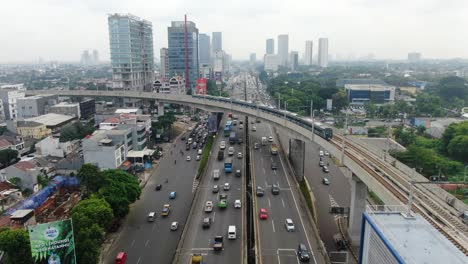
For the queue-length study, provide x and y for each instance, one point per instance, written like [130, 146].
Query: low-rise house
[51, 146]
[32, 129]
[26, 171]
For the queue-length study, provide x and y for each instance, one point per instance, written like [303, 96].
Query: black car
[275, 189]
[187, 147]
[182, 138]
[158, 187]
[303, 253]
[274, 166]
[260, 192]
[240, 140]
[206, 222]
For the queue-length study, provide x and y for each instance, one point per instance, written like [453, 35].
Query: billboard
[329, 104]
[201, 86]
[53, 243]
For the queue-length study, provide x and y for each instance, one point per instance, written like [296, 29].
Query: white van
[232, 232]
[151, 216]
[190, 140]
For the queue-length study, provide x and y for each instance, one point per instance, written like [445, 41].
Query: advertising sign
[329, 104]
[201, 86]
[53, 243]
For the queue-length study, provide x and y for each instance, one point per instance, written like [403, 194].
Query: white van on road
[232, 232]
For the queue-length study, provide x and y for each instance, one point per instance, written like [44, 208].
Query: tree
[120, 190]
[458, 147]
[428, 104]
[90, 178]
[15, 244]
[340, 100]
[452, 131]
[15, 181]
[42, 180]
[452, 87]
[8, 156]
[75, 131]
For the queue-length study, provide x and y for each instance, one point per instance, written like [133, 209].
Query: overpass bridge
[391, 182]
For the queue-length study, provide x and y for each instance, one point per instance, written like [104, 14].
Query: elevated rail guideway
[389, 182]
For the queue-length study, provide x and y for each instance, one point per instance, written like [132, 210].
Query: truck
[232, 138]
[264, 141]
[228, 165]
[208, 206]
[196, 259]
[215, 175]
[273, 149]
[218, 243]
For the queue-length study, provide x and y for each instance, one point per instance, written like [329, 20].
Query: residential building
[26, 171]
[253, 59]
[51, 146]
[31, 129]
[294, 60]
[36, 105]
[217, 41]
[177, 52]
[414, 56]
[391, 234]
[378, 94]
[323, 52]
[164, 69]
[106, 150]
[204, 48]
[270, 46]
[227, 62]
[2, 112]
[283, 49]
[175, 85]
[271, 62]
[64, 108]
[14, 140]
[52, 121]
[9, 96]
[308, 52]
[131, 48]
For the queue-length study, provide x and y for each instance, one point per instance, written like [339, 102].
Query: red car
[263, 213]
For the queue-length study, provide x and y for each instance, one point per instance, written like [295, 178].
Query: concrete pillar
[297, 157]
[160, 108]
[358, 206]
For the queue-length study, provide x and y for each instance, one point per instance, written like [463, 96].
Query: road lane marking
[214, 215]
[146, 244]
[273, 225]
[139, 258]
[269, 203]
[283, 203]
[133, 242]
[274, 171]
[264, 172]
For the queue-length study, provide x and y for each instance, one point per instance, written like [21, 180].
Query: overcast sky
[62, 29]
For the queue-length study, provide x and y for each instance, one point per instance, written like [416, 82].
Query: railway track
[438, 216]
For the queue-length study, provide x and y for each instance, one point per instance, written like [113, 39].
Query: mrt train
[320, 129]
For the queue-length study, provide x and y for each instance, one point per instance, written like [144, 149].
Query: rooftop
[21, 213]
[28, 124]
[126, 111]
[371, 87]
[25, 165]
[414, 239]
[64, 104]
[51, 119]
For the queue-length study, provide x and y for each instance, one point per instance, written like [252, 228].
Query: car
[172, 195]
[275, 189]
[222, 145]
[187, 147]
[289, 225]
[274, 166]
[237, 204]
[182, 138]
[215, 188]
[325, 169]
[321, 164]
[270, 139]
[239, 141]
[303, 253]
[326, 181]
[252, 121]
[158, 187]
[174, 226]
[326, 153]
[206, 222]
[258, 120]
[241, 122]
[256, 145]
[188, 158]
[198, 158]
[200, 151]
[231, 151]
[166, 209]
[254, 128]
[263, 213]
[321, 153]
[239, 155]
[238, 173]
[260, 192]
[227, 186]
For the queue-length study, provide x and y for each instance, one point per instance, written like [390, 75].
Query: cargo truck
[218, 243]
[273, 149]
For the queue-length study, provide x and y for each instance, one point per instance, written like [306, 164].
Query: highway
[200, 240]
[146, 241]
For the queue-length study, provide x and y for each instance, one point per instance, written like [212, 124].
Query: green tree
[340, 100]
[428, 104]
[452, 131]
[458, 148]
[43, 180]
[15, 244]
[75, 131]
[452, 87]
[91, 179]
[8, 156]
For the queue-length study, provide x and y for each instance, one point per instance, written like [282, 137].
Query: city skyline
[407, 27]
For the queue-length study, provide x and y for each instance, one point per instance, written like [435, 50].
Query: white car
[326, 153]
[270, 139]
[237, 204]
[289, 225]
[321, 153]
[197, 158]
[222, 145]
[227, 186]
[239, 155]
[189, 158]
[174, 226]
[254, 128]
[200, 151]
[241, 126]
[231, 151]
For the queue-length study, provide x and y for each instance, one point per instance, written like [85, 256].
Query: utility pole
[343, 143]
[312, 118]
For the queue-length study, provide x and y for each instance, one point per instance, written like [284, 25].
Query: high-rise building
[323, 52]
[131, 48]
[95, 56]
[204, 48]
[294, 60]
[253, 58]
[414, 56]
[283, 49]
[218, 64]
[217, 41]
[270, 46]
[164, 69]
[271, 62]
[308, 53]
[85, 58]
[177, 52]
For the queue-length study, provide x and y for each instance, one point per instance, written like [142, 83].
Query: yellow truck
[196, 259]
[273, 149]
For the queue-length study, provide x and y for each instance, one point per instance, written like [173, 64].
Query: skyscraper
[164, 71]
[294, 60]
[270, 46]
[323, 52]
[131, 48]
[95, 56]
[217, 43]
[253, 58]
[283, 49]
[85, 58]
[204, 48]
[308, 52]
[177, 55]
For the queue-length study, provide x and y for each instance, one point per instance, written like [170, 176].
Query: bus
[227, 128]
[232, 138]
[228, 165]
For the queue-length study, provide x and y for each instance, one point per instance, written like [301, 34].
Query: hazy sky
[62, 29]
